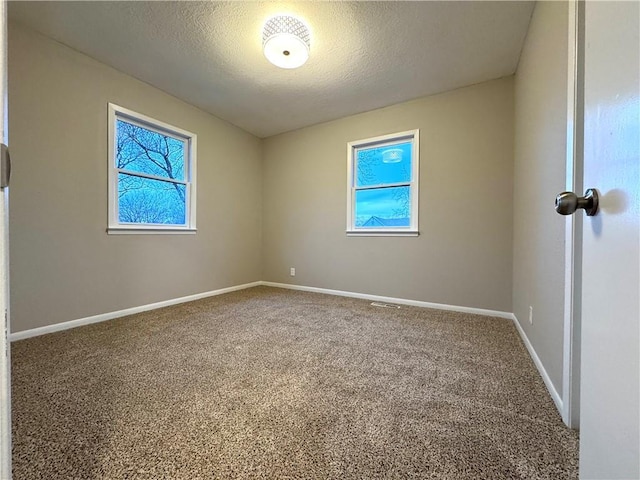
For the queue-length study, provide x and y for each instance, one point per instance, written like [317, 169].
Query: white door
[5, 376]
[610, 353]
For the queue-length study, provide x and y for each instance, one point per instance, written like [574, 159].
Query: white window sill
[382, 233]
[150, 231]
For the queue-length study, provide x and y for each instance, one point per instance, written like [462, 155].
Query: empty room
[320, 240]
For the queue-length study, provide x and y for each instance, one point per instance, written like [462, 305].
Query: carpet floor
[277, 384]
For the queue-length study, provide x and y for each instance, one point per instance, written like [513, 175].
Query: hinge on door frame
[6, 334]
[5, 166]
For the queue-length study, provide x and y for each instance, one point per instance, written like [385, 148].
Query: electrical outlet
[292, 272]
[530, 314]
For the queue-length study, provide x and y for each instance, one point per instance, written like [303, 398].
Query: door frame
[573, 227]
[5, 345]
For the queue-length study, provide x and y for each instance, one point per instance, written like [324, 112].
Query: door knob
[568, 202]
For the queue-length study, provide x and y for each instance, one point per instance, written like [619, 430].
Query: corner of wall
[539, 153]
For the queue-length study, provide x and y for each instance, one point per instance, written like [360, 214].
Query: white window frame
[381, 141]
[115, 227]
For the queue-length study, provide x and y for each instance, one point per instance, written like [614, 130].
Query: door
[5, 375]
[610, 349]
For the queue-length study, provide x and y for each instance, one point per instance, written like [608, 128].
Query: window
[152, 175]
[383, 185]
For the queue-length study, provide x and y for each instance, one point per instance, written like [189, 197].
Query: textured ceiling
[364, 55]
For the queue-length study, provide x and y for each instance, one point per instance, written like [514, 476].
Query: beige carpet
[276, 384]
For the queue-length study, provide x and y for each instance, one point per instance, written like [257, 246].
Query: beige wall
[463, 254]
[540, 173]
[64, 266]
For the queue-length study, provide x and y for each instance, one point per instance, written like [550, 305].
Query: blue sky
[372, 170]
[144, 200]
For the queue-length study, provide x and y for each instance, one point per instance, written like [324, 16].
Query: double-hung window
[382, 196]
[152, 175]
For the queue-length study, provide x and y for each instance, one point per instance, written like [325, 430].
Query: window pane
[380, 165]
[146, 151]
[383, 207]
[142, 200]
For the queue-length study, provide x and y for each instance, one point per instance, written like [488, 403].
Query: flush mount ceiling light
[392, 155]
[286, 41]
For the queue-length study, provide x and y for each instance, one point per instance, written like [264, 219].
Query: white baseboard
[538, 363]
[34, 332]
[400, 301]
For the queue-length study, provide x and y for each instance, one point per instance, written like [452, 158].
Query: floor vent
[384, 305]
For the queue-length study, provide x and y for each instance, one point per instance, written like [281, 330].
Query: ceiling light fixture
[286, 41]
[392, 155]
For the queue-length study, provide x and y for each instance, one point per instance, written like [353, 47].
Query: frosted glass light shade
[286, 42]
[393, 155]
